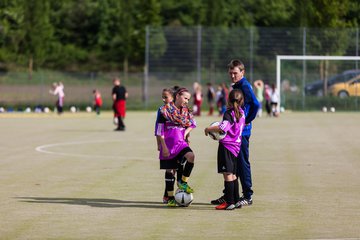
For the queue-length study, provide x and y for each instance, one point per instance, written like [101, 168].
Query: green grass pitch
[73, 177]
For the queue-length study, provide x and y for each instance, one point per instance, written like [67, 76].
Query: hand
[166, 152]
[206, 131]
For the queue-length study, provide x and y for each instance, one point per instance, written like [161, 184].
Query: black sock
[229, 192]
[236, 190]
[120, 123]
[165, 192]
[180, 171]
[187, 171]
[169, 182]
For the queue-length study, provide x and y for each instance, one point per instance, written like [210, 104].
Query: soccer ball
[88, 109]
[332, 109]
[183, 198]
[216, 135]
[46, 110]
[73, 109]
[324, 109]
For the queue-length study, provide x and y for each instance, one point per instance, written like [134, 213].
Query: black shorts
[227, 162]
[173, 163]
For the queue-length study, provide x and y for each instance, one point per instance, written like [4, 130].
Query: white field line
[45, 149]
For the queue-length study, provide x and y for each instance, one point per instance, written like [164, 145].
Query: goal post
[279, 58]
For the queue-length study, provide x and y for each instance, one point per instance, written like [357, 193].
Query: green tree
[38, 32]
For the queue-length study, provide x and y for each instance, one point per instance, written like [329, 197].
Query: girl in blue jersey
[232, 124]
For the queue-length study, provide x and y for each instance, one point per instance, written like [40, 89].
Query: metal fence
[182, 55]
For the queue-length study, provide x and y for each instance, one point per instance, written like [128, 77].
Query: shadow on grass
[108, 203]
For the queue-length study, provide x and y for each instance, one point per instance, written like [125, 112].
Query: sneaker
[225, 206]
[245, 201]
[184, 186]
[218, 201]
[165, 199]
[171, 203]
[238, 204]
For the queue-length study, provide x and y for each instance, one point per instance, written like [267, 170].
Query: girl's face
[167, 97]
[183, 99]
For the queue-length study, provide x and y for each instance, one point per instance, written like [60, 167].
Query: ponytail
[236, 101]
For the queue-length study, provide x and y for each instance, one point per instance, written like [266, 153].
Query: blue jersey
[251, 104]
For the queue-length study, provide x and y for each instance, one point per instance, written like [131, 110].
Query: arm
[213, 129]
[251, 103]
[165, 151]
[187, 134]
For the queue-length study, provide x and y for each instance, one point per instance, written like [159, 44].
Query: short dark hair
[236, 63]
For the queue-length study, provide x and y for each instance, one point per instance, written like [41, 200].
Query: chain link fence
[184, 55]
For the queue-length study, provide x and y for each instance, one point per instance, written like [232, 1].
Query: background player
[119, 96]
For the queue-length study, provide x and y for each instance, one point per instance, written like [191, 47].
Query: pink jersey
[233, 129]
[173, 135]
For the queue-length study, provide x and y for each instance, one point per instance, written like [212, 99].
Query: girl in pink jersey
[167, 97]
[233, 123]
[174, 125]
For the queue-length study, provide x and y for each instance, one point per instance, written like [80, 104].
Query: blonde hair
[236, 101]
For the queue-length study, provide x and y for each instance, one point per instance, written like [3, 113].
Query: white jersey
[59, 90]
[274, 97]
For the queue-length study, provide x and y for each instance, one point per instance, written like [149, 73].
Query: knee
[190, 157]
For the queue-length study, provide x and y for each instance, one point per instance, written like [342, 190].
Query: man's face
[236, 74]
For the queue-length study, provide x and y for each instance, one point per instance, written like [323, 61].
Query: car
[316, 88]
[346, 89]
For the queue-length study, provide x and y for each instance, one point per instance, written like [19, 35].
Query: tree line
[95, 35]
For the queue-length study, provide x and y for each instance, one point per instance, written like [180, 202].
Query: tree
[38, 32]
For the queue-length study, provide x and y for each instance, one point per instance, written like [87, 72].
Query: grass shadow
[107, 203]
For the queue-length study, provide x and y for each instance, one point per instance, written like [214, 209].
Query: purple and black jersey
[173, 135]
[233, 129]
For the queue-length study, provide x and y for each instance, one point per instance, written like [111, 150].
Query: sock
[165, 192]
[236, 191]
[120, 123]
[180, 171]
[229, 192]
[169, 183]
[187, 171]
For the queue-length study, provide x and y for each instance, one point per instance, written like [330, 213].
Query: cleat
[238, 204]
[171, 203]
[165, 199]
[245, 201]
[218, 201]
[185, 187]
[225, 206]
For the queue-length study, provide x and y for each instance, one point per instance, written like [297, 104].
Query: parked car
[316, 88]
[346, 89]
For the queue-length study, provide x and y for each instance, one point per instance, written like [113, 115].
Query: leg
[121, 126]
[169, 186]
[190, 157]
[229, 182]
[243, 169]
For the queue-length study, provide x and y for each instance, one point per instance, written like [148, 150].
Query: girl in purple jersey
[233, 123]
[167, 97]
[174, 125]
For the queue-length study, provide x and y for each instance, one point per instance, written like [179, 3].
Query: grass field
[73, 177]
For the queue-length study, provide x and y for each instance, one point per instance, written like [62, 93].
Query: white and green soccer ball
[183, 198]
